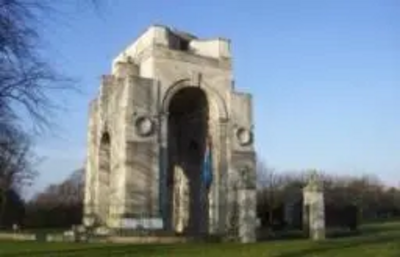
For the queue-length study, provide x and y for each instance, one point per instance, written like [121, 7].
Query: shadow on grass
[370, 235]
[332, 233]
[366, 230]
[381, 228]
[328, 246]
[268, 235]
[104, 250]
[299, 235]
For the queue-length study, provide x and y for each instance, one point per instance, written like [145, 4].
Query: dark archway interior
[187, 133]
[105, 174]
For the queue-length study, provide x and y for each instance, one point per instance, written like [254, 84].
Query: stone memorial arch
[170, 98]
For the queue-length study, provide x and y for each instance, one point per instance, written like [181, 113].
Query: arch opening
[187, 135]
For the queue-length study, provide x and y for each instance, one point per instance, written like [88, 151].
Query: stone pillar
[181, 200]
[314, 209]
[247, 215]
[165, 207]
[223, 177]
[247, 197]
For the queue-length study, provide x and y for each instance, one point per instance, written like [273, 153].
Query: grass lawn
[377, 240]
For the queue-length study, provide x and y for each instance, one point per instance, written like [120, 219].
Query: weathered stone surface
[247, 215]
[147, 136]
[314, 209]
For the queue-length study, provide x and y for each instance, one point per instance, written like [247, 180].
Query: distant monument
[314, 208]
[169, 138]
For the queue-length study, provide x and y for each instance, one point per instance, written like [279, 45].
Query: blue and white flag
[207, 174]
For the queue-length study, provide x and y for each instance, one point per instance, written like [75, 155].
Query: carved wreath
[244, 136]
[144, 126]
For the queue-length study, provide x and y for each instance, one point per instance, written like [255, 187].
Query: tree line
[349, 200]
[61, 205]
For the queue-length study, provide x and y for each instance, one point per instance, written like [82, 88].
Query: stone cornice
[165, 53]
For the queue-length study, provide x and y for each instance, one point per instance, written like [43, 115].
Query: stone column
[314, 209]
[165, 208]
[247, 215]
[247, 197]
[181, 200]
[223, 177]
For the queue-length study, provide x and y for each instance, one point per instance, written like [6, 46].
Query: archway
[187, 134]
[104, 176]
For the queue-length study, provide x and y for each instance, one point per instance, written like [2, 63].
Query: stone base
[147, 240]
[318, 234]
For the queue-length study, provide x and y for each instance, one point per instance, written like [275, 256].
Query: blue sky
[325, 76]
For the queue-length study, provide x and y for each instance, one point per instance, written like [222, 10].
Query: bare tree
[28, 82]
[68, 192]
[17, 164]
[26, 79]
[270, 189]
[63, 200]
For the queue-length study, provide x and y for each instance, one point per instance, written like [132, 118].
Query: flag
[207, 165]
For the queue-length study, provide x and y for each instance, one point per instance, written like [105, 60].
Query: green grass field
[377, 240]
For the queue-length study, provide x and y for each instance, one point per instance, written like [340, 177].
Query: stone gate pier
[170, 141]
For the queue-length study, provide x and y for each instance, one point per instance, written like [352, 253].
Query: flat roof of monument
[179, 32]
[169, 36]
